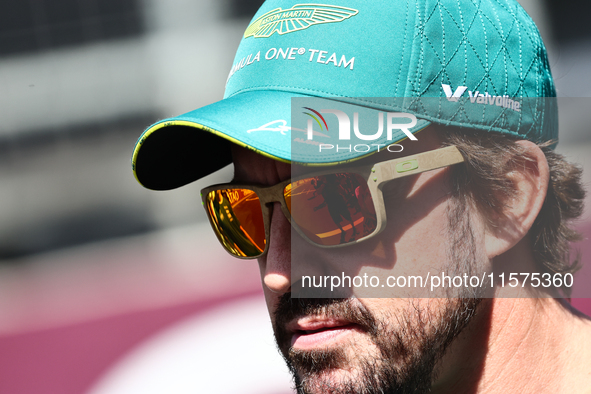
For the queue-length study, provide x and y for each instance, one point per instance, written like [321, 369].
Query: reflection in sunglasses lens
[238, 221]
[332, 209]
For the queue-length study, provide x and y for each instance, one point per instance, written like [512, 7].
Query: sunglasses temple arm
[410, 165]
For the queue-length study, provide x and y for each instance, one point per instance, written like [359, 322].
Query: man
[468, 199]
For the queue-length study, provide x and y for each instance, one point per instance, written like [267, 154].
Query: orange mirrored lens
[237, 219]
[332, 209]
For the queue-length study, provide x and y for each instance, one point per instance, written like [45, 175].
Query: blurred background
[106, 287]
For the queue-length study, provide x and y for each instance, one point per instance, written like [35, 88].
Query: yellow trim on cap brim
[162, 125]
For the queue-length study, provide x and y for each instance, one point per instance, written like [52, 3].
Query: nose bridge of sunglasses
[272, 194]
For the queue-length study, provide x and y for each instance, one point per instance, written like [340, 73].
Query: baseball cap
[478, 64]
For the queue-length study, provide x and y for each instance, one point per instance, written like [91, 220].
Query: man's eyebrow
[238, 180]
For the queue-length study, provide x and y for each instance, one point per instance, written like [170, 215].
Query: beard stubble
[408, 342]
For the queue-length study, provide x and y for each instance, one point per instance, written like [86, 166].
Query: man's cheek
[271, 299]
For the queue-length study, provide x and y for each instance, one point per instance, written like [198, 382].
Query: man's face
[367, 345]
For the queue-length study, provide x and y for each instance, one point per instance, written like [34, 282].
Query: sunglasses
[331, 208]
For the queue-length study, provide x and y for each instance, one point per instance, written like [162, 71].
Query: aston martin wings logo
[299, 17]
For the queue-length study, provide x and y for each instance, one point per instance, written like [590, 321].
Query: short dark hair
[484, 182]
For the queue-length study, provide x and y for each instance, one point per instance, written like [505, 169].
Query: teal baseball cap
[478, 64]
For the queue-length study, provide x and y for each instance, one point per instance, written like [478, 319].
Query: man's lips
[315, 332]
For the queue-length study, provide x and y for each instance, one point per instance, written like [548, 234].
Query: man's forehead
[252, 167]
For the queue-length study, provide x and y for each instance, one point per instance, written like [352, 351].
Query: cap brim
[180, 150]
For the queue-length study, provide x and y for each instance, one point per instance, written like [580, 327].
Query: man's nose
[275, 266]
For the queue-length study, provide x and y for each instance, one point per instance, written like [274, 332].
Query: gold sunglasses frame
[377, 175]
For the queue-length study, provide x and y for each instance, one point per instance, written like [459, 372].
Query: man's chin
[330, 381]
[324, 371]
[319, 360]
